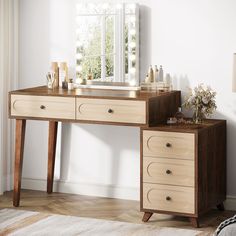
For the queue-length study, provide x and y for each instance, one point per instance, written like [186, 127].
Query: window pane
[109, 34]
[91, 65]
[109, 67]
[89, 35]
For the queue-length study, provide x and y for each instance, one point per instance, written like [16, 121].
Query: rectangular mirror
[107, 44]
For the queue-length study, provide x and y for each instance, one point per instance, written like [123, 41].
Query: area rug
[27, 223]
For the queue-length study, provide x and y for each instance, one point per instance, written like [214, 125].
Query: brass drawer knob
[42, 107]
[168, 145]
[110, 111]
[168, 172]
[168, 198]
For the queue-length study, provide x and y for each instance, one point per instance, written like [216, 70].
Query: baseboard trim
[230, 203]
[6, 183]
[98, 190]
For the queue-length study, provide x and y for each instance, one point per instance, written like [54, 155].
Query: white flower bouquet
[202, 100]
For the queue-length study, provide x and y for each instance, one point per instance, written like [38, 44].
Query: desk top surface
[206, 123]
[93, 93]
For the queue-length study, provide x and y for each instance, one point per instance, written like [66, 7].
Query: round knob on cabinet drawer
[168, 198]
[168, 145]
[110, 111]
[42, 107]
[168, 172]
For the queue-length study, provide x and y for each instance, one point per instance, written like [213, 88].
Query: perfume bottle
[155, 73]
[151, 74]
[179, 116]
[160, 74]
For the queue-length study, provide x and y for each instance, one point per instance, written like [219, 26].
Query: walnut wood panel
[164, 107]
[168, 144]
[111, 110]
[19, 151]
[52, 140]
[42, 107]
[211, 167]
[168, 198]
[168, 171]
[94, 93]
[147, 216]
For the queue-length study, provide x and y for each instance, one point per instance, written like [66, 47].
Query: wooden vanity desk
[183, 167]
[94, 106]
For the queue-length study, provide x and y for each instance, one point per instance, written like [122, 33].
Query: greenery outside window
[107, 42]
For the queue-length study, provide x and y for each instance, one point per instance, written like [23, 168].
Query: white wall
[193, 40]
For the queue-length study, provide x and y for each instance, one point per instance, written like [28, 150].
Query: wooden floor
[106, 208]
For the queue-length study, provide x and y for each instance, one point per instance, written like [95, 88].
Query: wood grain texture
[168, 171]
[147, 216]
[111, 110]
[194, 221]
[168, 198]
[52, 140]
[168, 144]
[211, 166]
[19, 152]
[163, 107]
[93, 93]
[43, 106]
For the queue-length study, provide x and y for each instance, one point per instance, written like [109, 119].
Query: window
[107, 42]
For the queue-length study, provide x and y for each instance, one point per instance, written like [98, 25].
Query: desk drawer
[123, 111]
[168, 171]
[168, 144]
[168, 198]
[43, 106]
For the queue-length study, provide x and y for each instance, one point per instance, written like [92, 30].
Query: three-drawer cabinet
[183, 169]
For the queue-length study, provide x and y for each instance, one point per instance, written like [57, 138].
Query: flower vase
[198, 116]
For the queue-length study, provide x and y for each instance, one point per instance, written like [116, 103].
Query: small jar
[70, 84]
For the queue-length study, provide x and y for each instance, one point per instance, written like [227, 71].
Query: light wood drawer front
[168, 144]
[168, 198]
[111, 110]
[43, 106]
[168, 171]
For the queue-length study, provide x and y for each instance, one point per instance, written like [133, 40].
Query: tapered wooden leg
[19, 150]
[147, 216]
[221, 206]
[52, 140]
[194, 221]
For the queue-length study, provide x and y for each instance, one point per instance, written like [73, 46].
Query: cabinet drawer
[43, 106]
[168, 171]
[168, 198]
[168, 144]
[123, 111]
